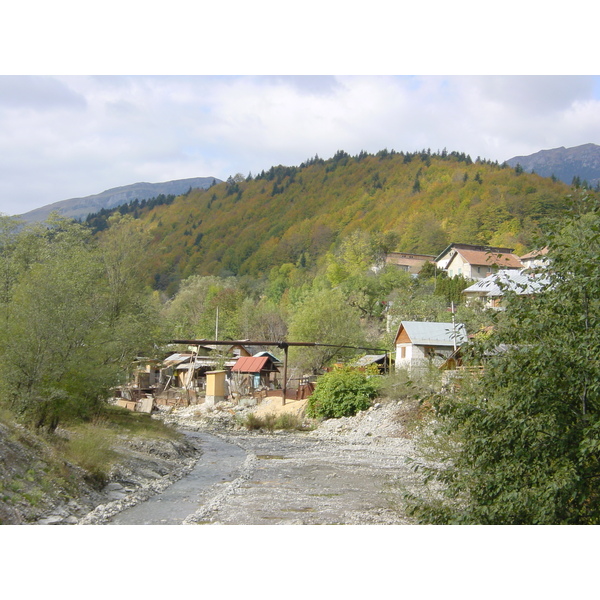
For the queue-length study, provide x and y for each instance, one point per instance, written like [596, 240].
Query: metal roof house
[250, 373]
[421, 343]
[492, 289]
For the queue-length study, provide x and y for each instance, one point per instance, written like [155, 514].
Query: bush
[271, 422]
[288, 421]
[342, 393]
[252, 422]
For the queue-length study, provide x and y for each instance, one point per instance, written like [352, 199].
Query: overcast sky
[73, 135]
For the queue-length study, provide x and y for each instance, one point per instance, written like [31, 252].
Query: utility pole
[453, 328]
[285, 368]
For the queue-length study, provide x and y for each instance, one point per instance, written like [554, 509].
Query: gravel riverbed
[352, 470]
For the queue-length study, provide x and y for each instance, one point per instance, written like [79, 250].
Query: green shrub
[271, 422]
[288, 421]
[252, 422]
[342, 393]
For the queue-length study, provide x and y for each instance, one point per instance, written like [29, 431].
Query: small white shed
[420, 343]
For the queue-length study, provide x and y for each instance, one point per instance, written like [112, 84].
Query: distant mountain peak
[564, 163]
[80, 208]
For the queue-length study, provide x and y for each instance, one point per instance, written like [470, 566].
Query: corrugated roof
[434, 334]
[267, 353]
[176, 359]
[250, 364]
[519, 282]
[369, 359]
[206, 362]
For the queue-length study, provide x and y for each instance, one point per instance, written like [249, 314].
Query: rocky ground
[44, 490]
[352, 470]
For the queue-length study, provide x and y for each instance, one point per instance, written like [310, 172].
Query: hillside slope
[296, 214]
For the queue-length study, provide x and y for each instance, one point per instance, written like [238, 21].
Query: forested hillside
[425, 200]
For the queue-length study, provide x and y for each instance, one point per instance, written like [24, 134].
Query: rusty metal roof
[251, 364]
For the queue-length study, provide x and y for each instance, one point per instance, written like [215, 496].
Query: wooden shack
[250, 373]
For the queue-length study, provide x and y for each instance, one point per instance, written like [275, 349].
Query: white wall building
[420, 343]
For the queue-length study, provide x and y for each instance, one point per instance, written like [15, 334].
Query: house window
[403, 352]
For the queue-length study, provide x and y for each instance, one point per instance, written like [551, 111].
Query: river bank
[353, 470]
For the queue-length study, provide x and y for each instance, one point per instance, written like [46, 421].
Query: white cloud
[73, 136]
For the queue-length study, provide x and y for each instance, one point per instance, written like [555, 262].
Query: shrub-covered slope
[247, 225]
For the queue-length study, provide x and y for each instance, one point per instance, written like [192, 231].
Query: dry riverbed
[345, 471]
[342, 471]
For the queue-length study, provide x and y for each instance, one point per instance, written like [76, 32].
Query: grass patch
[37, 465]
[289, 421]
[272, 422]
[134, 423]
[34, 497]
[90, 447]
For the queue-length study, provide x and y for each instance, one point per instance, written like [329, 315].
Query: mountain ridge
[581, 162]
[81, 207]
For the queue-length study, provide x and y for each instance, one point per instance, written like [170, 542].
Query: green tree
[356, 254]
[206, 307]
[417, 301]
[530, 426]
[9, 269]
[125, 252]
[324, 317]
[262, 321]
[61, 346]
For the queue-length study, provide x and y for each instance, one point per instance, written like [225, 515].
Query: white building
[420, 343]
[476, 262]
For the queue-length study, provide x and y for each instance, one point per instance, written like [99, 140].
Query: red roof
[250, 364]
[479, 257]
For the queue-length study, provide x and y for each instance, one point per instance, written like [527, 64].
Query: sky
[76, 135]
[134, 92]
